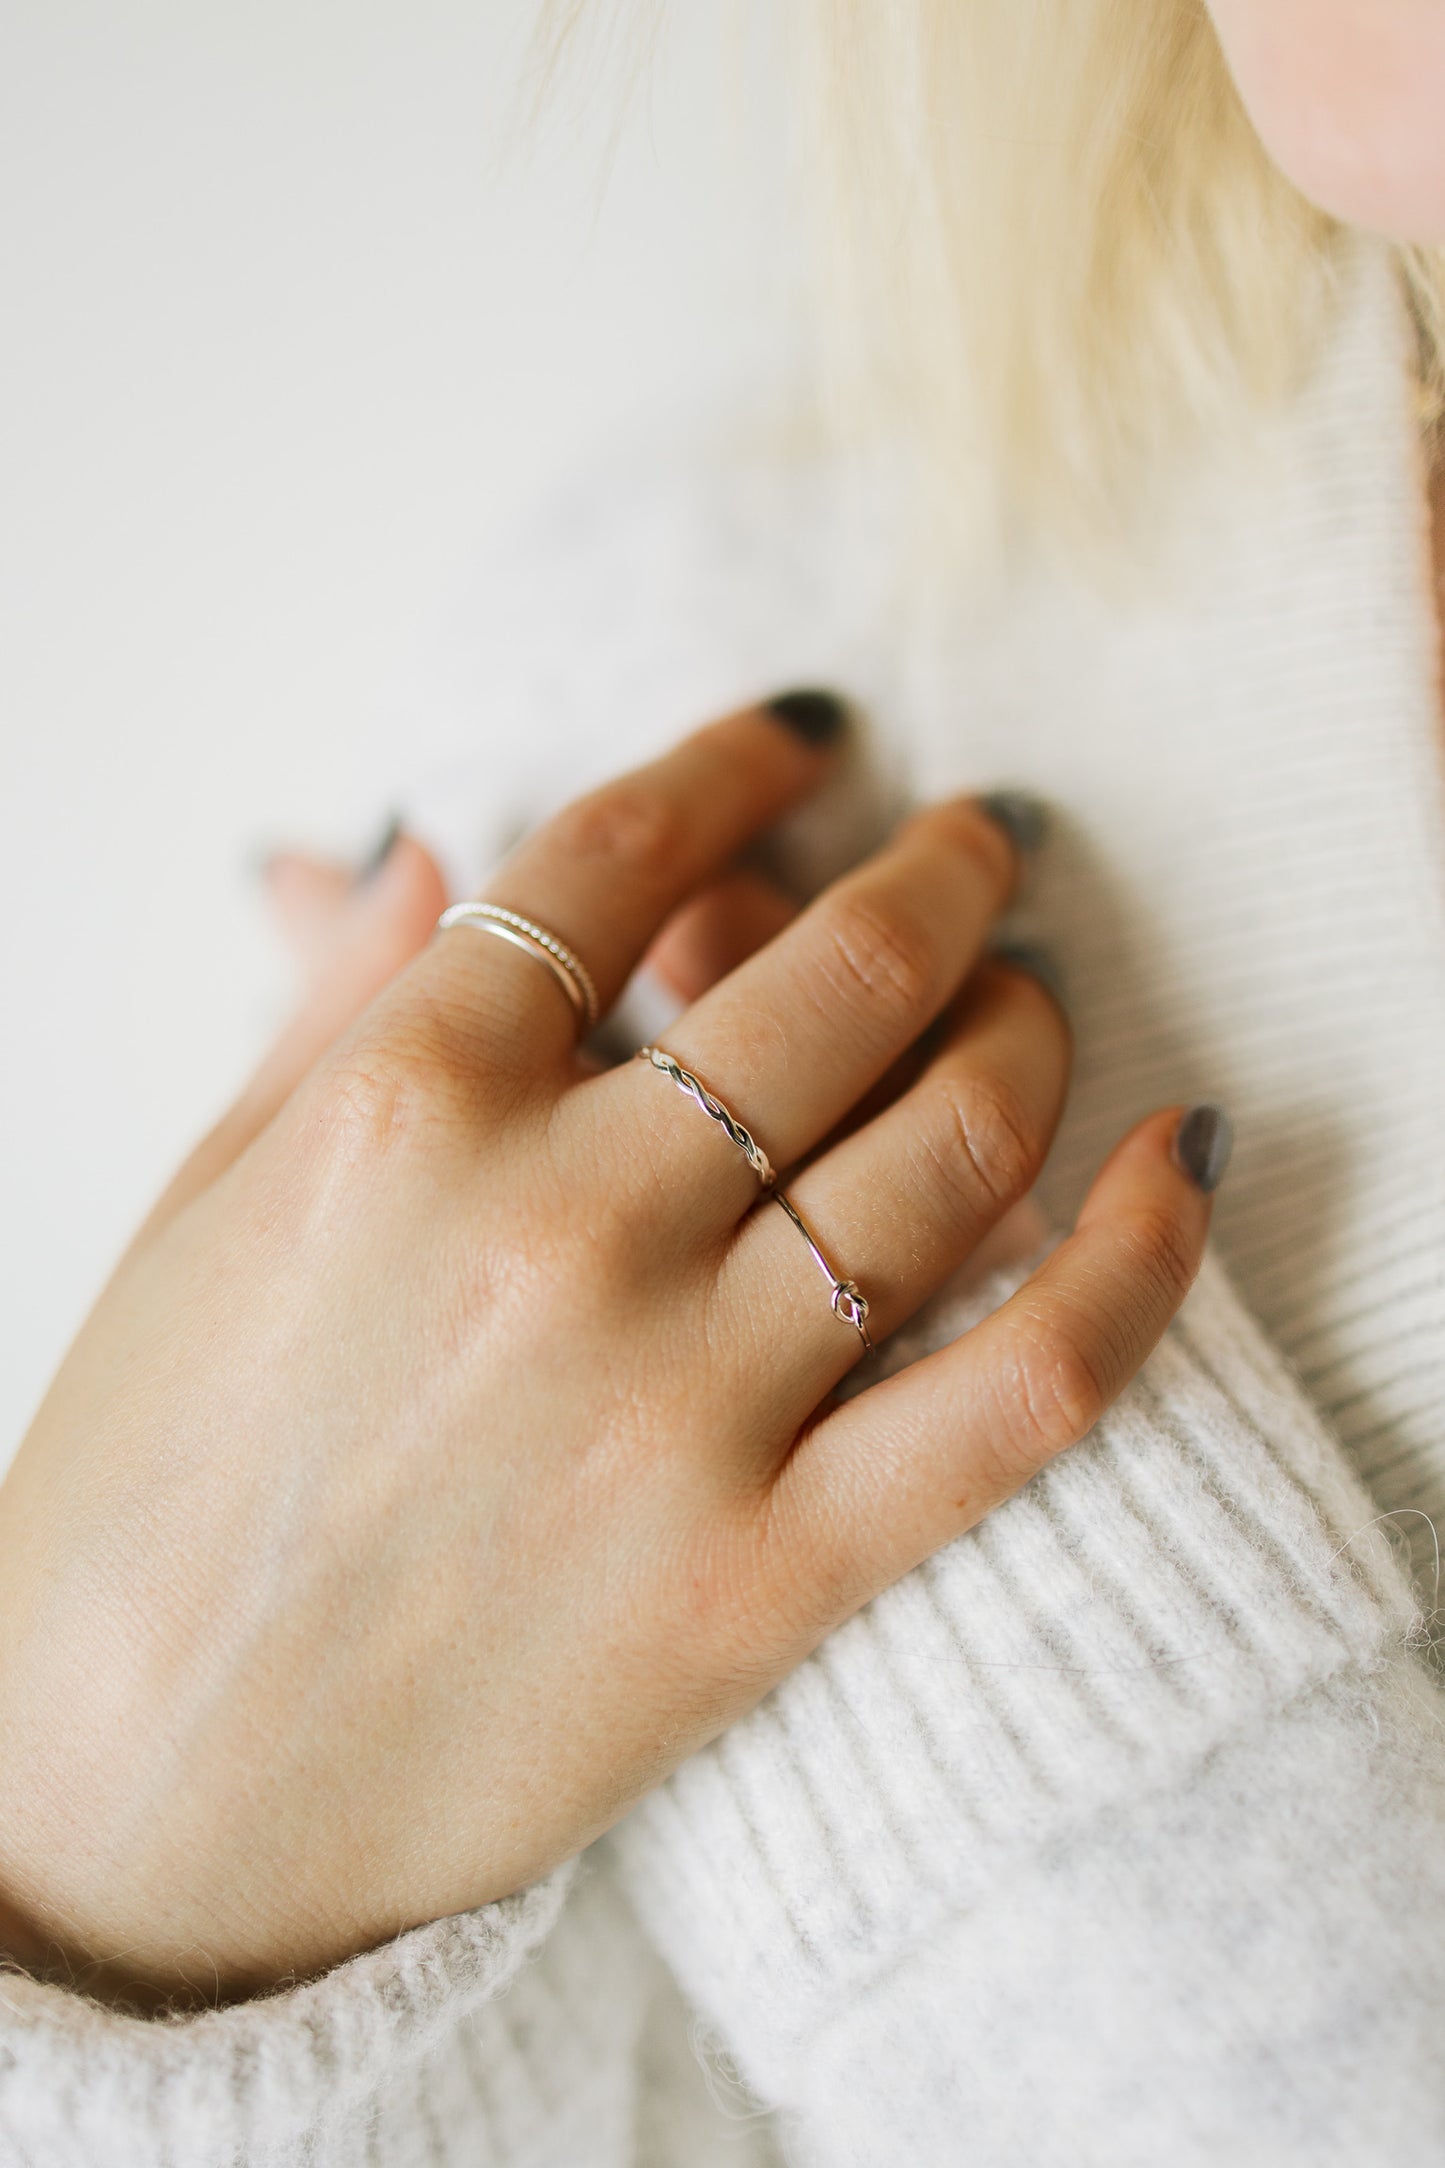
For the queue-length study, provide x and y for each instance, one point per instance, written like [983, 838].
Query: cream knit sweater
[1115, 1835]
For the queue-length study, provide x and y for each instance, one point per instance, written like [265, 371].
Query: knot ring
[848, 1303]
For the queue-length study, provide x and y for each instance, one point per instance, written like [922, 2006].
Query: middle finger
[793, 1039]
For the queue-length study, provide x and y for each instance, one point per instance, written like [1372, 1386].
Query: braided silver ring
[566, 968]
[714, 1109]
[847, 1304]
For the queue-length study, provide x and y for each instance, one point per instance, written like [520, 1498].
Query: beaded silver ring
[568, 969]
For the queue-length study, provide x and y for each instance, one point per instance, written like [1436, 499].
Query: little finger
[889, 1477]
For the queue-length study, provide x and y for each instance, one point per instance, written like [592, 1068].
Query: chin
[1348, 97]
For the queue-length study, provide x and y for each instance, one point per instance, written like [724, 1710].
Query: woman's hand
[454, 1452]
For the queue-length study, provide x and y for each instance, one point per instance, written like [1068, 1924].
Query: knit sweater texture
[1115, 1834]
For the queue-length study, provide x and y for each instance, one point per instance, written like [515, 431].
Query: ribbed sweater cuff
[1203, 1557]
[285, 2078]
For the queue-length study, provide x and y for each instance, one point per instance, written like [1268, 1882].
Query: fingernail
[379, 853]
[1023, 818]
[1039, 963]
[817, 717]
[1202, 1145]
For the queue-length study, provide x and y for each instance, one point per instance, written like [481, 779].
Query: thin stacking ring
[568, 970]
[848, 1303]
[714, 1109]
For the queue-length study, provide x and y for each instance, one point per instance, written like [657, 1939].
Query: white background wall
[287, 334]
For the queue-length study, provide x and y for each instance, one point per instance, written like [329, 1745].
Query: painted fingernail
[1039, 963]
[1023, 818]
[380, 851]
[817, 717]
[1202, 1145]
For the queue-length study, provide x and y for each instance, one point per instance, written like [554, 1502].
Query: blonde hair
[1055, 253]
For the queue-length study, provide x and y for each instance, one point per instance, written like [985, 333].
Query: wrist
[95, 1895]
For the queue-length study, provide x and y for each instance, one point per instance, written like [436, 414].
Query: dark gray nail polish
[1039, 963]
[817, 717]
[1023, 818]
[1202, 1145]
[380, 851]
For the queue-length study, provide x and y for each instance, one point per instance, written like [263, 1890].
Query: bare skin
[1347, 97]
[453, 1452]
[457, 1409]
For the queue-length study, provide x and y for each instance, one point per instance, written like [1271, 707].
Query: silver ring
[566, 968]
[848, 1304]
[714, 1109]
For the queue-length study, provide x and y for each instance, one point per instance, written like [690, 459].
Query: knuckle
[1164, 1257]
[819, 1567]
[984, 1144]
[882, 959]
[380, 1097]
[806, 1576]
[1069, 1368]
[631, 823]
[1064, 1386]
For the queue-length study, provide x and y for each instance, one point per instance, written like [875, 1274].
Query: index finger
[605, 873]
